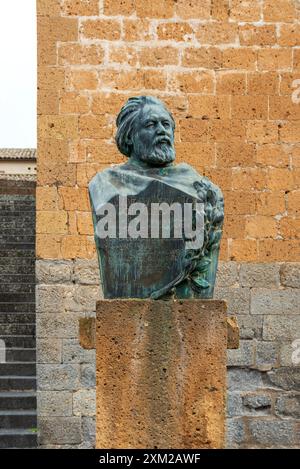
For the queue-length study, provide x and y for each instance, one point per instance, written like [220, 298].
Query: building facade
[229, 72]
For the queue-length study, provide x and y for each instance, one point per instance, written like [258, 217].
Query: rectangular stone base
[161, 373]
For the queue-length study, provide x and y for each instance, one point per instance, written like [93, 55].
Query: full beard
[160, 155]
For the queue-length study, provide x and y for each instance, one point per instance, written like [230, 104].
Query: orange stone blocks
[161, 373]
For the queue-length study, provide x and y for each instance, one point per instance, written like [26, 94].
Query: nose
[161, 129]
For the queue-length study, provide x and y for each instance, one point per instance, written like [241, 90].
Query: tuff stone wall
[263, 382]
[227, 70]
[154, 389]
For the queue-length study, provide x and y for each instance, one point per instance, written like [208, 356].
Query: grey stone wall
[66, 291]
[263, 400]
[263, 377]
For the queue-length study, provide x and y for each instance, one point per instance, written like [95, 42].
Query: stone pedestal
[161, 373]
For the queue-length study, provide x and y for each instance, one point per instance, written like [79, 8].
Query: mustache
[164, 139]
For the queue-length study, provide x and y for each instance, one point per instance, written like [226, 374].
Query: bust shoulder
[201, 183]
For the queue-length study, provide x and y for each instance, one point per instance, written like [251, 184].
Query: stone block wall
[228, 71]
[263, 400]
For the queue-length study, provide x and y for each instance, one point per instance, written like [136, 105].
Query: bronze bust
[133, 262]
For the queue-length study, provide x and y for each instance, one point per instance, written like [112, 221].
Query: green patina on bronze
[155, 268]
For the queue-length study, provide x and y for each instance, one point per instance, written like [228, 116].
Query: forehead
[154, 111]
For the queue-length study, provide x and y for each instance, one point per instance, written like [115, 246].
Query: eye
[166, 124]
[150, 124]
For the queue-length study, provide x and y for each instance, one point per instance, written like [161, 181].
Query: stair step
[25, 307]
[17, 223]
[10, 200]
[13, 198]
[7, 210]
[18, 212]
[17, 318]
[25, 197]
[17, 261]
[11, 191]
[18, 355]
[16, 207]
[18, 438]
[16, 297]
[17, 383]
[21, 341]
[18, 419]
[17, 329]
[17, 269]
[17, 288]
[28, 277]
[18, 369]
[17, 250]
[9, 240]
[17, 400]
[18, 229]
[14, 220]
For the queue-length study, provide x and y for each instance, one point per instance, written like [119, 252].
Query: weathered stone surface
[236, 433]
[48, 446]
[54, 403]
[87, 376]
[244, 356]
[266, 355]
[52, 298]
[290, 275]
[86, 445]
[58, 377]
[281, 328]
[271, 432]
[289, 355]
[233, 333]
[87, 333]
[86, 272]
[227, 274]
[262, 275]
[84, 298]
[89, 430]
[243, 379]
[286, 378]
[237, 299]
[241, 404]
[53, 271]
[57, 325]
[264, 301]
[288, 405]
[250, 326]
[234, 404]
[60, 430]
[74, 353]
[161, 369]
[49, 350]
[84, 402]
[257, 401]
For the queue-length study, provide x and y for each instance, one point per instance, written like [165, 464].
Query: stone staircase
[18, 418]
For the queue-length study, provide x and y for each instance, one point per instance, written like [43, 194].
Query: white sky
[17, 74]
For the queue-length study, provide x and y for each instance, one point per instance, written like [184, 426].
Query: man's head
[146, 131]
